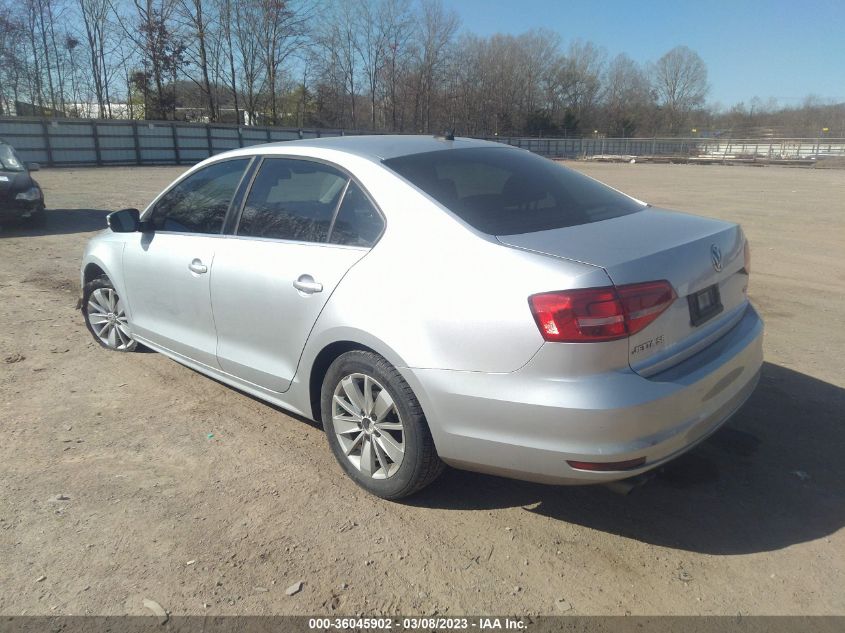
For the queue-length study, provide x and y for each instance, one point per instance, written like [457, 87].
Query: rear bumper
[529, 423]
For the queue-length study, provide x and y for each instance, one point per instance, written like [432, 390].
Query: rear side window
[501, 191]
[357, 222]
[198, 204]
[292, 200]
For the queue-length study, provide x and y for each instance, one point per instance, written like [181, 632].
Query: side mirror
[33, 166]
[124, 221]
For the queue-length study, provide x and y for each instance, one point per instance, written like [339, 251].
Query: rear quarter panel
[438, 295]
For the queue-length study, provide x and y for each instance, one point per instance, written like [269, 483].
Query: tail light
[599, 314]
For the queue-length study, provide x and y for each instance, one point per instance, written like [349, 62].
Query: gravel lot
[183, 491]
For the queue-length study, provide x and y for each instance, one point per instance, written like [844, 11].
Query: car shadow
[774, 476]
[57, 222]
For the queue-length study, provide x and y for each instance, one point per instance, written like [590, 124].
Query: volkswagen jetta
[439, 301]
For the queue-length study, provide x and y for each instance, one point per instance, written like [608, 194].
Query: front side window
[501, 191]
[292, 200]
[199, 203]
[357, 222]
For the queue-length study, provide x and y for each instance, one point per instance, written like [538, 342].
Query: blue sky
[785, 49]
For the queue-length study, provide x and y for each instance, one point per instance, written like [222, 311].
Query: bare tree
[247, 21]
[373, 24]
[38, 9]
[71, 43]
[436, 34]
[628, 99]
[397, 25]
[192, 12]
[337, 56]
[12, 63]
[224, 12]
[95, 20]
[282, 31]
[574, 85]
[680, 81]
[162, 52]
[401, 62]
[54, 12]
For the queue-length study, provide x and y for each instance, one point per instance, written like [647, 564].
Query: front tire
[105, 316]
[376, 428]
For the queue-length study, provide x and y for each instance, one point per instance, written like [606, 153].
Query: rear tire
[105, 316]
[376, 428]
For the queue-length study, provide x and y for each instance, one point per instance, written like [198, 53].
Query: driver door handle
[196, 266]
[306, 284]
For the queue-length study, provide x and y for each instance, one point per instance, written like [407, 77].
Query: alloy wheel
[108, 319]
[368, 426]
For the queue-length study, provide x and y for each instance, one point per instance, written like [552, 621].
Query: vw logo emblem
[716, 257]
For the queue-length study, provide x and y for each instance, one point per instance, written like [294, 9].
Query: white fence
[68, 142]
[796, 149]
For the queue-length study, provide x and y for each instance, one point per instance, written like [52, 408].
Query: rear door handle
[306, 284]
[196, 266]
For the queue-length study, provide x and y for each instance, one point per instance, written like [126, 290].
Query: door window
[199, 203]
[357, 223]
[292, 200]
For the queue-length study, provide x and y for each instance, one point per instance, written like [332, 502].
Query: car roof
[379, 147]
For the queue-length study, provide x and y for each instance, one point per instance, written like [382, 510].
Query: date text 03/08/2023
[411, 623]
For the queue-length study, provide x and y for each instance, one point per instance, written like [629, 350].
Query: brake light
[594, 314]
[645, 302]
[599, 314]
[747, 257]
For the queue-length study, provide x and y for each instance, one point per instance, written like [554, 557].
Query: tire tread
[428, 465]
[99, 282]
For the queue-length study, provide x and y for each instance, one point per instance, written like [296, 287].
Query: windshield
[9, 160]
[501, 191]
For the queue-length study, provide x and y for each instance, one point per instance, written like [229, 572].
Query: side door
[293, 243]
[167, 267]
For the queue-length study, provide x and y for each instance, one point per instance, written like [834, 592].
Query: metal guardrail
[76, 142]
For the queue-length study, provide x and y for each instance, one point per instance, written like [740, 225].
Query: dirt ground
[183, 491]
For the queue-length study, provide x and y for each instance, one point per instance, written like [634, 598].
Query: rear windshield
[502, 191]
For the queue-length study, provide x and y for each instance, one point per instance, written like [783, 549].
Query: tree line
[381, 65]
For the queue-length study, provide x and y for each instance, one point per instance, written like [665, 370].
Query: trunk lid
[656, 244]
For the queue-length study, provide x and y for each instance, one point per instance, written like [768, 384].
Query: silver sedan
[439, 301]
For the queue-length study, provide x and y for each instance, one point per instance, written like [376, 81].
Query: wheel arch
[345, 341]
[92, 268]
[92, 271]
[104, 257]
[321, 364]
